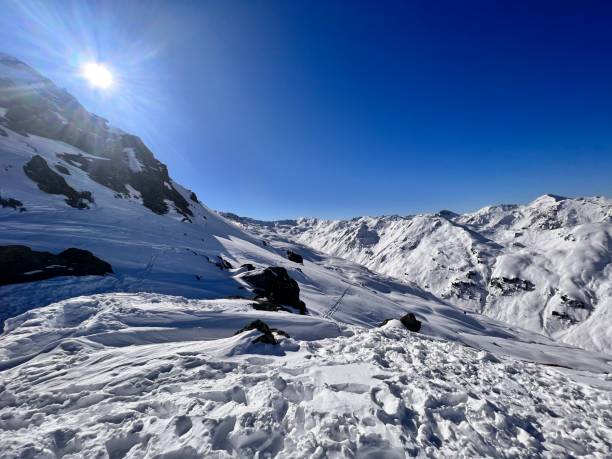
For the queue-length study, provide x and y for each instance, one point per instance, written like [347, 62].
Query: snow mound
[151, 376]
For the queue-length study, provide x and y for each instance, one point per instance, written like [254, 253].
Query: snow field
[181, 388]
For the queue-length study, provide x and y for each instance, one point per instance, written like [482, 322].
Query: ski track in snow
[334, 307]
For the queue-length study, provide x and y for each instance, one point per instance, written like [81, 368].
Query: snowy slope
[545, 266]
[144, 362]
[152, 376]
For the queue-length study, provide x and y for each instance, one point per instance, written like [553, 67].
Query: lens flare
[97, 75]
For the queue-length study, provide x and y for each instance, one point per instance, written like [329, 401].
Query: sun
[97, 75]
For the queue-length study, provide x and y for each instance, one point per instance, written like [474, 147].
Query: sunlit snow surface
[152, 376]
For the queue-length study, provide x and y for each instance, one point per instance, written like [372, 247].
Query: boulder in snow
[19, 264]
[275, 285]
[295, 257]
[409, 321]
[267, 336]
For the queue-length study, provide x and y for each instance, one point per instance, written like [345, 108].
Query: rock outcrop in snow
[33, 105]
[20, 264]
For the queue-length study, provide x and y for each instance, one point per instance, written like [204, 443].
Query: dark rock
[409, 321]
[19, 264]
[223, 264]
[194, 197]
[51, 182]
[152, 181]
[267, 336]
[261, 305]
[561, 315]
[63, 169]
[572, 302]
[508, 286]
[12, 203]
[295, 257]
[248, 266]
[275, 285]
[463, 289]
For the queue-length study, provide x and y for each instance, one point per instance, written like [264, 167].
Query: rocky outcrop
[51, 182]
[62, 169]
[19, 264]
[222, 263]
[267, 333]
[146, 175]
[262, 305]
[409, 321]
[508, 286]
[12, 204]
[34, 105]
[276, 286]
[295, 257]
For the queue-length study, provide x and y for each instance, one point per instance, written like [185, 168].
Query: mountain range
[545, 266]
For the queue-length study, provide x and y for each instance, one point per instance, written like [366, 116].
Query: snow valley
[139, 323]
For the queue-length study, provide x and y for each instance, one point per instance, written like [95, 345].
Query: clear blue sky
[334, 109]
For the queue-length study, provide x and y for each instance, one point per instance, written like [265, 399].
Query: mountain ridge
[486, 260]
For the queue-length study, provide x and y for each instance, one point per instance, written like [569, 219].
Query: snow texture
[152, 376]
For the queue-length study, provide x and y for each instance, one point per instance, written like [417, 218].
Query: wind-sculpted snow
[150, 376]
[546, 266]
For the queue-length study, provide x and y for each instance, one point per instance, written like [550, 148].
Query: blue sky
[277, 109]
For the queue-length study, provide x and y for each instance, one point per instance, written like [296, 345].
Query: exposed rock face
[19, 264]
[12, 203]
[36, 106]
[267, 336]
[51, 182]
[275, 285]
[146, 175]
[365, 237]
[62, 169]
[508, 286]
[223, 263]
[295, 257]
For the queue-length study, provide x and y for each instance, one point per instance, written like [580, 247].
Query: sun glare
[97, 75]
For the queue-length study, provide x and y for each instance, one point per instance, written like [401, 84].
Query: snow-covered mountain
[126, 305]
[545, 266]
